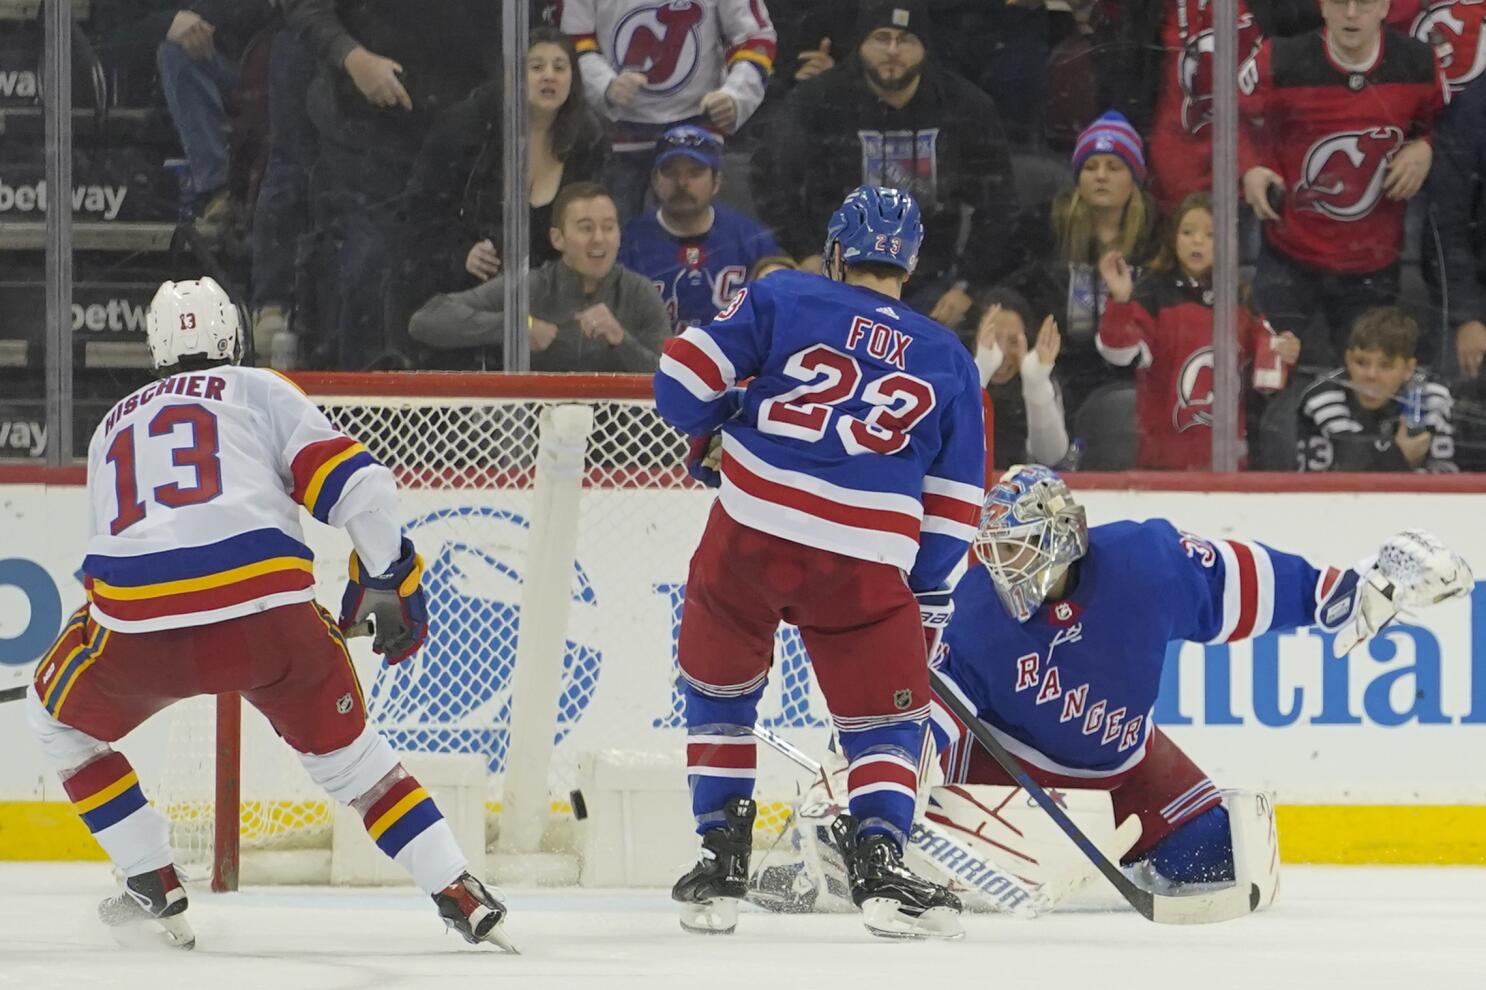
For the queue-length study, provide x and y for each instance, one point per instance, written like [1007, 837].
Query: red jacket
[1166, 332]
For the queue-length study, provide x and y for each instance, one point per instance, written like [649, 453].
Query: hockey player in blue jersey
[851, 469]
[1057, 642]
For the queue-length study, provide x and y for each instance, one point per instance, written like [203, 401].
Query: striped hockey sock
[721, 753]
[406, 824]
[882, 776]
[106, 794]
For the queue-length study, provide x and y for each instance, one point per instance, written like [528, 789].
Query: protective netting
[466, 468]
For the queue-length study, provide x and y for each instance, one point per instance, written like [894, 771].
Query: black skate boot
[710, 892]
[156, 896]
[895, 902]
[468, 907]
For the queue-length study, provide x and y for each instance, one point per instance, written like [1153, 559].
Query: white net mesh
[466, 468]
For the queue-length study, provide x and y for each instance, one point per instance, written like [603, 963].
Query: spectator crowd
[1060, 153]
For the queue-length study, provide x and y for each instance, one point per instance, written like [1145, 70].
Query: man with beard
[889, 115]
[698, 253]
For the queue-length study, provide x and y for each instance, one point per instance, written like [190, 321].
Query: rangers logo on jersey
[904, 160]
[1342, 175]
[1194, 392]
[1453, 27]
[662, 41]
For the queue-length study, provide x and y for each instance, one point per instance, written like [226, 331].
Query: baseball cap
[695, 143]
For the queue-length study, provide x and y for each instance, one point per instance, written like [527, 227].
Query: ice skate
[156, 897]
[895, 902]
[710, 892]
[468, 907]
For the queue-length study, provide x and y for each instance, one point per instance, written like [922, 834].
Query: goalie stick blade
[1203, 909]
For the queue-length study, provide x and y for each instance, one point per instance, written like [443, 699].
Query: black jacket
[1456, 193]
[948, 135]
[445, 47]
[454, 196]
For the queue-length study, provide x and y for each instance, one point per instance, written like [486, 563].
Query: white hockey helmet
[194, 318]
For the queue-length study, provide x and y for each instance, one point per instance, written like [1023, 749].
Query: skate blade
[155, 933]
[497, 936]
[885, 918]
[718, 916]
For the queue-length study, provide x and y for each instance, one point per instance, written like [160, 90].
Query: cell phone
[1275, 196]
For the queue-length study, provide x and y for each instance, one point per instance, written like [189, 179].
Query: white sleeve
[580, 24]
[750, 42]
[1047, 434]
[377, 536]
[329, 473]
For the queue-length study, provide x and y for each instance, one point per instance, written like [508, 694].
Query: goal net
[620, 526]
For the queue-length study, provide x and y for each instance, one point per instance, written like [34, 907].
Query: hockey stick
[1166, 909]
[946, 851]
[362, 628]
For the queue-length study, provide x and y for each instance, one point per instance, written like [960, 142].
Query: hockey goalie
[1057, 639]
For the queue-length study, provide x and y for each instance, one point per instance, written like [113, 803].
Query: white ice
[1344, 927]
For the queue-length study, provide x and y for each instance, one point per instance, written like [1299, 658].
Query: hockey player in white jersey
[199, 582]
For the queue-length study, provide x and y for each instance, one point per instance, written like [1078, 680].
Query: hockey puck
[580, 807]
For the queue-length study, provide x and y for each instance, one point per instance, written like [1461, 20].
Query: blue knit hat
[1111, 134]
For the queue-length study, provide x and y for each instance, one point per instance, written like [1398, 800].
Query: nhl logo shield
[1356, 81]
[343, 704]
[902, 698]
[1063, 611]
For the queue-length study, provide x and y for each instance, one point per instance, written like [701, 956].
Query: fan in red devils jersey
[1338, 128]
[1453, 27]
[1181, 154]
[1164, 327]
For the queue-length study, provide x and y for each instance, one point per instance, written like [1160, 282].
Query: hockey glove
[394, 601]
[704, 459]
[934, 610]
[1412, 570]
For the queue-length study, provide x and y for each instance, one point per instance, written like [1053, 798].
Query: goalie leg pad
[1256, 842]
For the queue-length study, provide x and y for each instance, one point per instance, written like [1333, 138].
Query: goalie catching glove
[1412, 570]
[395, 602]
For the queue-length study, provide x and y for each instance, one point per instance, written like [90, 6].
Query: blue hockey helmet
[875, 223]
[1030, 531]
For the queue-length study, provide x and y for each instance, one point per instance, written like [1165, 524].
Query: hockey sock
[882, 775]
[406, 824]
[105, 792]
[721, 753]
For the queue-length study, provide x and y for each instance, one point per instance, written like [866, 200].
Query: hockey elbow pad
[394, 601]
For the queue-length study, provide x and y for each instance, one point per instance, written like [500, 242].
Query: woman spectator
[454, 200]
[1106, 210]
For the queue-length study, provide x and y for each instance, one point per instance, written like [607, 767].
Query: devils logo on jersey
[1195, 71]
[662, 41]
[1194, 392]
[1342, 176]
[1453, 27]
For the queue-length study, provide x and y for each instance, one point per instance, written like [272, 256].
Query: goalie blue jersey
[696, 276]
[1071, 691]
[861, 431]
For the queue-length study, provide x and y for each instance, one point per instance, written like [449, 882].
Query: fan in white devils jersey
[199, 582]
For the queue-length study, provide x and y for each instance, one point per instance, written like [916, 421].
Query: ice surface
[1348, 928]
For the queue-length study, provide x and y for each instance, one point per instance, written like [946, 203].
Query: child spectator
[1107, 210]
[1018, 376]
[695, 250]
[1163, 327]
[1378, 412]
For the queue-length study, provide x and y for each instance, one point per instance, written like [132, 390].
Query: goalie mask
[193, 318]
[1031, 530]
